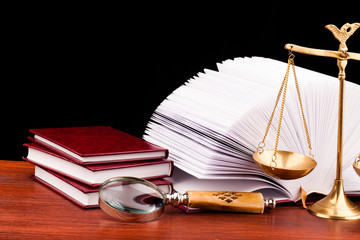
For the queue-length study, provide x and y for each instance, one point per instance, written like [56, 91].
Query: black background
[114, 64]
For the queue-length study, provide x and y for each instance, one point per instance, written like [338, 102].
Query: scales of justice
[290, 165]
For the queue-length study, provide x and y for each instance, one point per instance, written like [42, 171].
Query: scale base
[336, 205]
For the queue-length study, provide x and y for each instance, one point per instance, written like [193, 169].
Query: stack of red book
[75, 161]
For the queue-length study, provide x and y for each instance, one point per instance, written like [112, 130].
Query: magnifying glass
[138, 200]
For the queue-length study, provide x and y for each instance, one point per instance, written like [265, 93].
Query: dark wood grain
[32, 211]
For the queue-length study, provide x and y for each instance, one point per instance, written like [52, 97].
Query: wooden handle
[226, 201]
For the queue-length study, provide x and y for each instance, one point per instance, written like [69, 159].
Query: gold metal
[322, 53]
[342, 35]
[285, 164]
[356, 165]
[289, 165]
[336, 205]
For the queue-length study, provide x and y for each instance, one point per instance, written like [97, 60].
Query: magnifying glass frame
[128, 216]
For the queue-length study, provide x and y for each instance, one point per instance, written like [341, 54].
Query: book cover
[97, 144]
[79, 193]
[94, 175]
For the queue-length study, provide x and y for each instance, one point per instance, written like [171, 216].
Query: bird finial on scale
[343, 33]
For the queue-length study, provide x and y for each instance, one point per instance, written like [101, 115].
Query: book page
[214, 122]
[183, 182]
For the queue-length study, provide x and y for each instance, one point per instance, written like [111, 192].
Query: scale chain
[282, 91]
[302, 111]
[261, 145]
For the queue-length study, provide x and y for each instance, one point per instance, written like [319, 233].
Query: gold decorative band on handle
[229, 201]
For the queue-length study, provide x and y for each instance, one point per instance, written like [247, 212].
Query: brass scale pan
[290, 165]
[285, 164]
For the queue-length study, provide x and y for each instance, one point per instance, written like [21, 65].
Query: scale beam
[322, 52]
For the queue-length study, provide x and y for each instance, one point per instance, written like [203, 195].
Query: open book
[214, 122]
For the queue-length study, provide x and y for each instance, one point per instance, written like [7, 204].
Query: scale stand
[336, 205]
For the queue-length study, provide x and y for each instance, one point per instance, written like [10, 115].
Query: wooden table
[32, 211]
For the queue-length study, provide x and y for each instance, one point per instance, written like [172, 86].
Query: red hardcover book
[95, 175]
[97, 144]
[81, 194]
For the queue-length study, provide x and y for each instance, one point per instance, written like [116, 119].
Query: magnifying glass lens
[132, 196]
